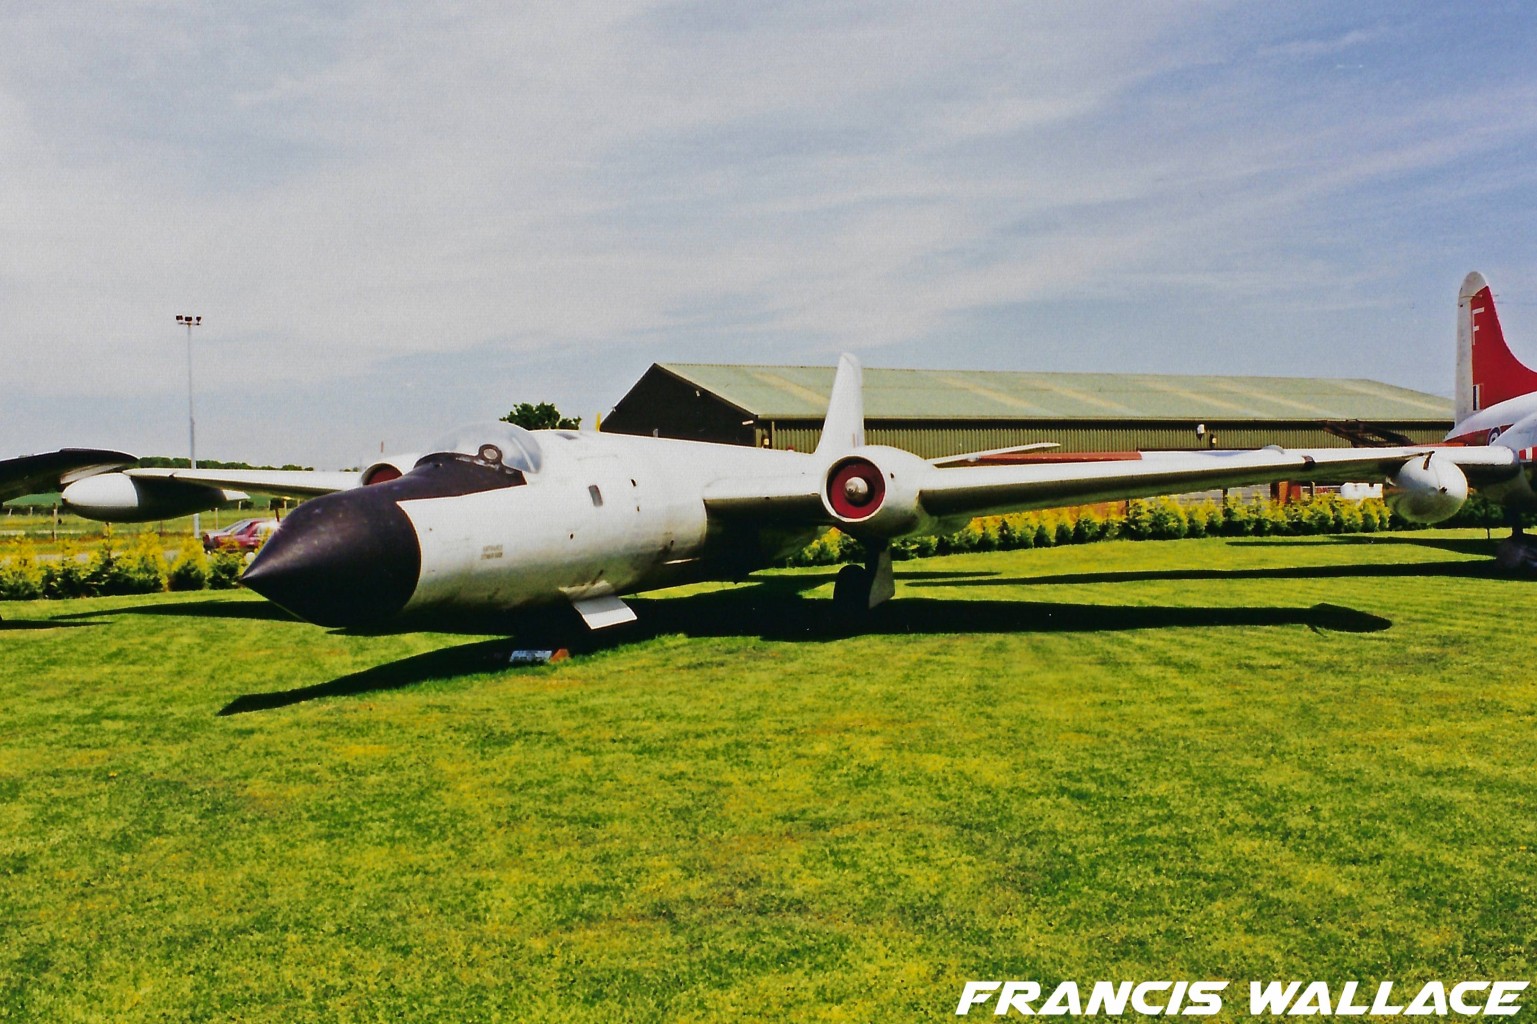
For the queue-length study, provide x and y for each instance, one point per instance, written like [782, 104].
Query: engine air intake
[855, 489]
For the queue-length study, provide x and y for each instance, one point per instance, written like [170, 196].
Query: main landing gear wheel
[860, 588]
[1517, 554]
[851, 592]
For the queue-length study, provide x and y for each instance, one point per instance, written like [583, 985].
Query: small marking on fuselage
[491, 551]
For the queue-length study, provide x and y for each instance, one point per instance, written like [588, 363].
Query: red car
[246, 535]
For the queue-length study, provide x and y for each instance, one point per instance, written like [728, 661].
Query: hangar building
[943, 412]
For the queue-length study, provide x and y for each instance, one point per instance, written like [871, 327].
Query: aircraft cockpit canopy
[503, 446]
[483, 457]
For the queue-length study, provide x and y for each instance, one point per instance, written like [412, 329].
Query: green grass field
[1200, 759]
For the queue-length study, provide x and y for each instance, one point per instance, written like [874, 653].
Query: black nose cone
[347, 559]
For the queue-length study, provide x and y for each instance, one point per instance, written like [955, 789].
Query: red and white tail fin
[1487, 372]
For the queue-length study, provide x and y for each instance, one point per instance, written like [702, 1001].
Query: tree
[543, 416]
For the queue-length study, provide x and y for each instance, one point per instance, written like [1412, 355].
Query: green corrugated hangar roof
[800, 392]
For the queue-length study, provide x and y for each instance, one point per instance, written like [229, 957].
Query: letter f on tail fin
[1487, 372]
[844, 428]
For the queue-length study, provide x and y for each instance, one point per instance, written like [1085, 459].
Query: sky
[396, 218]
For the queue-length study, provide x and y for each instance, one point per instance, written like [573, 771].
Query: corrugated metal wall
[947, 439]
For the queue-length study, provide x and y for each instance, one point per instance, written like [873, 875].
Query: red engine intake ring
[383, 473]
[856, 489]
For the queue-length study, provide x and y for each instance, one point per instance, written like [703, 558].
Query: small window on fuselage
[596, 495]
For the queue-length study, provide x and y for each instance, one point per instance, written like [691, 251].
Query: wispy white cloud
[1331, 46]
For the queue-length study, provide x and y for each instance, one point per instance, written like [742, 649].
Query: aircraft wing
[51, 471]
[789, 499]
[302, 483]
[977, 490]
[890, 492]
[986, 490]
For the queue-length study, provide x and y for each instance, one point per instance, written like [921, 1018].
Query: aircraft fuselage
[604, 516]
[593, 516]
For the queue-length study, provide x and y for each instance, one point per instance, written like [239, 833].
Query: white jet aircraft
[497, 518]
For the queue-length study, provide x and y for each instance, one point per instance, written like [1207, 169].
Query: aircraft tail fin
[1487, 371]
[844, 428]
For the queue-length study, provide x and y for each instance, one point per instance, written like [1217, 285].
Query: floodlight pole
[190, 322]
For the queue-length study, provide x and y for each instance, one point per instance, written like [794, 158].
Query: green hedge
[1151, 519]
[141, 568]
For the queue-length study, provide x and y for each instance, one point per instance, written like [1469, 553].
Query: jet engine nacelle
[872, 492]
[1427, 490]
[116, 498]
[391, 467]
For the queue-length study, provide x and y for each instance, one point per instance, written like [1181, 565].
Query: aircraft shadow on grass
[19, 624]
[200, 609]
[775, 610]
[267, 611]
[1460, 545]
[1477, 570]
